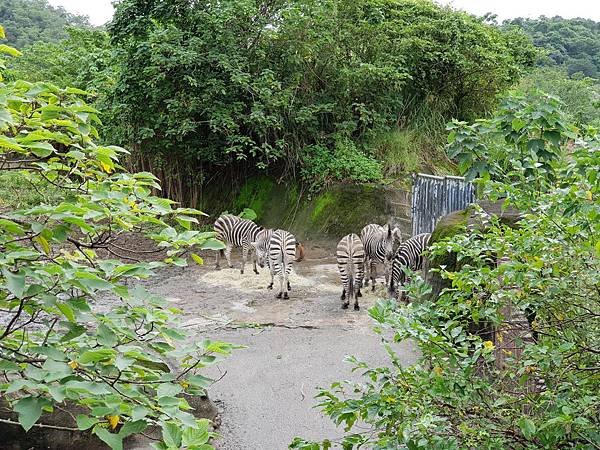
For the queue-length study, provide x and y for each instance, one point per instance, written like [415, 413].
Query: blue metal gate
[434, 197]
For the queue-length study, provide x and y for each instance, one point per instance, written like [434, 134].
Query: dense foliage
[83, 60]
[573, 44]
[29, 21]
[580, 95]
[296, 85]
[74, 330]
[541, 388]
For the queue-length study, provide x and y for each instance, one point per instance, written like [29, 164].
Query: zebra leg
[217, 266]
[365, 281]
[280, 287]
[270, 286]
[343, 299]
[244, 256]
[285, 285]
[373, 274]
[228, 248]
[254, 261]
[356, 307]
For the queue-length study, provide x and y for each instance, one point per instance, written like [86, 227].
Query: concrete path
[266, 393]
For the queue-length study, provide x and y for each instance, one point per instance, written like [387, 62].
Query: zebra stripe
[350, 255]
[261, 246]
[409, 255]
[282, 251]
[237, 232]
[378, 242]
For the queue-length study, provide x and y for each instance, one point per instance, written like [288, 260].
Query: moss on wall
[255, 194]
[337, 211]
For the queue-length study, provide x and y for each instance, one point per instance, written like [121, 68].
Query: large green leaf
[15, 282]
[30, 410]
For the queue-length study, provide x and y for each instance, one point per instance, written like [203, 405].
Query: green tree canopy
[29, 21]
[205, 84]
[571, 43]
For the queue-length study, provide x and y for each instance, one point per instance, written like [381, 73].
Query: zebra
[236, 232]
[282, 253]
[409, 255]
[378, 242]
[350, 256]
[262, 245]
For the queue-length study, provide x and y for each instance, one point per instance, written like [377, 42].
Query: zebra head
[261, 246]
[388, 242]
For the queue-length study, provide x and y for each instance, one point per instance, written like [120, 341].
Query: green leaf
[114, 441]
[11, 227]
[171, 434]
[41, 149]
[30, 410]
[85, 422]
[15, 282]
[168, 390]
[197, 259]
[527, 427]
[94, 356]
[212, 244]
[106, 336]
[134, 427]
[9, 50]
[67, 311]
[196, 436]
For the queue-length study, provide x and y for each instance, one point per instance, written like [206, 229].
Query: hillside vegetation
[572, 44]
[29, 21]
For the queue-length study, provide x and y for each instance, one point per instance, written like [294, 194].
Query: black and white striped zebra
[237, 232]
[408, 256]
[282, 253]
[262, 246]
[350, 255]
[378, 242]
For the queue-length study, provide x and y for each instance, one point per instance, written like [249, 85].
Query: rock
[456, 222]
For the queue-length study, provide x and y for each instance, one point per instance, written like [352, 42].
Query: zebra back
[409, 255]
[235, 230]
[350, 255]
[378, 242]
[282, 251]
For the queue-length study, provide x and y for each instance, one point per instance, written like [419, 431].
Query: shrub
[58, 344]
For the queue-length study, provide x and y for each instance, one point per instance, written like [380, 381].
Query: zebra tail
[300, 251]
[350, 267]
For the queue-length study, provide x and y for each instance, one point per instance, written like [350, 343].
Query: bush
[346, 163]
[60, 262]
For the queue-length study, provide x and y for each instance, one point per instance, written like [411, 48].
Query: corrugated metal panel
[434, 197]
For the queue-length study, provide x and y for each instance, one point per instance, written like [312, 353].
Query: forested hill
[571, 43]
[28, 21]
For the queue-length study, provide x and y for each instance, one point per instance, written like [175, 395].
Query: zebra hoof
[242, 271]
[286, 296]
[256, 271]
[217, 267]
[270, 286]
[345, 305]
[278, 295]
[289, 287]
[359, 294]
[356, 307]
